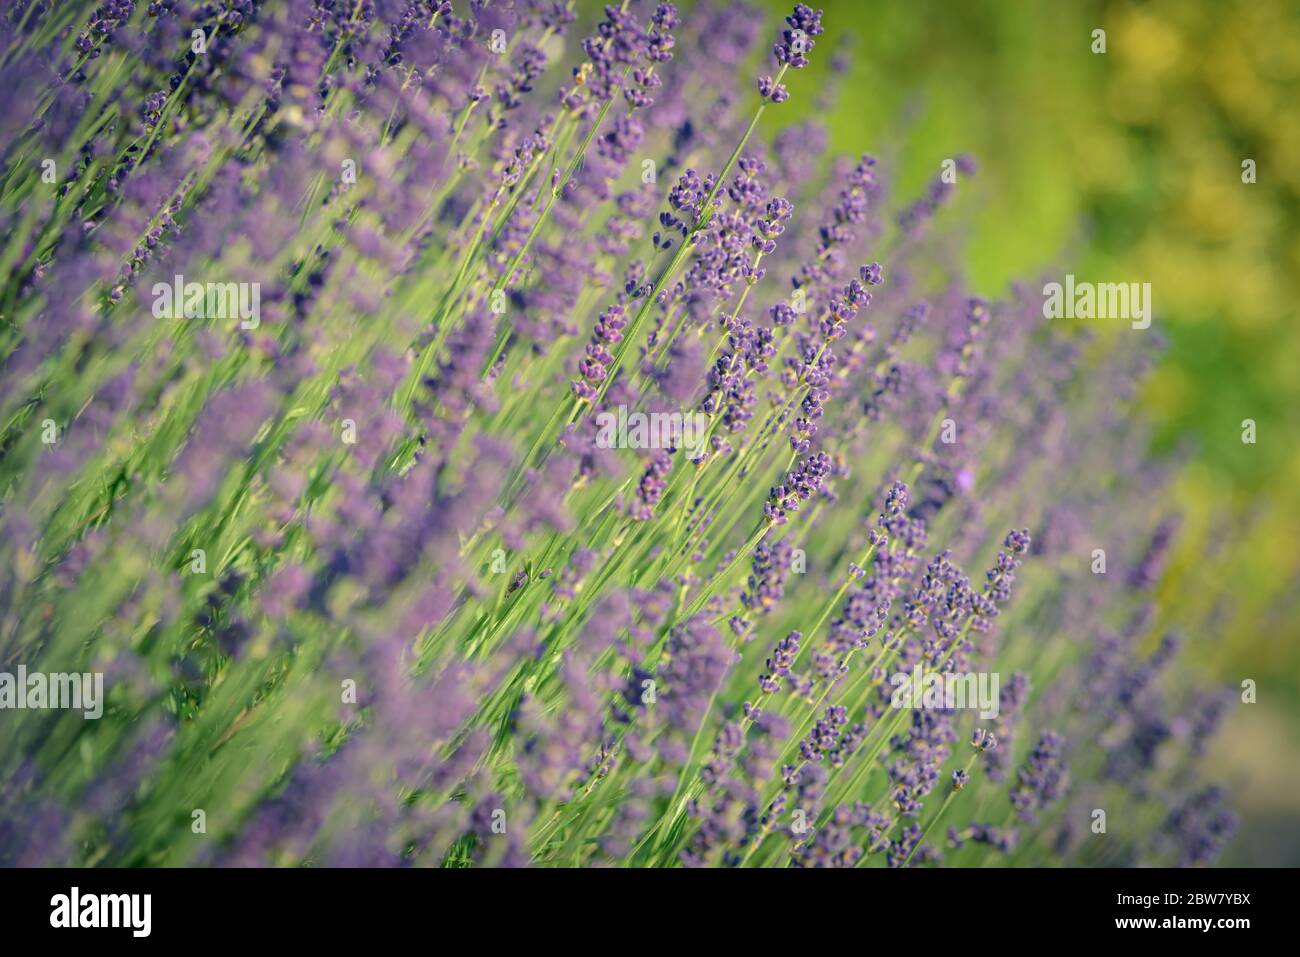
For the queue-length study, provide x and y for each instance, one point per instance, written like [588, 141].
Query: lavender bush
[315, 318]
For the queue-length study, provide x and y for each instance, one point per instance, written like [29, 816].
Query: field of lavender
[502, 434]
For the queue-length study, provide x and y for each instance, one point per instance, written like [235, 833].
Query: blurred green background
[1127, 166]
